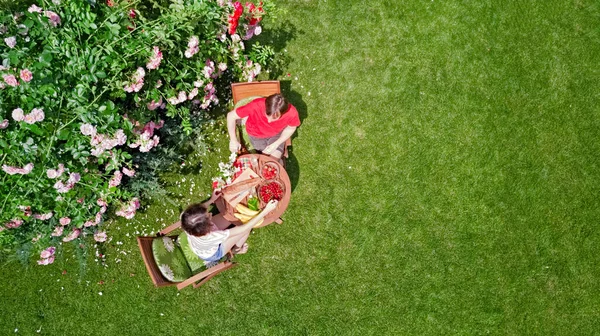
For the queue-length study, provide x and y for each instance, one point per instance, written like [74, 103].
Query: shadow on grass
[295, 98]
[278, 37]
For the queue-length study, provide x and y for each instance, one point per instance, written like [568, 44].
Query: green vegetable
[253, 203]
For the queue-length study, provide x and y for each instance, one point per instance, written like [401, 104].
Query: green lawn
[447, 180]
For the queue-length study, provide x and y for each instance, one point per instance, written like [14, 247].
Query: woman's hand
[234, 145]
[270, 148]
[215, 194]
[270, 206]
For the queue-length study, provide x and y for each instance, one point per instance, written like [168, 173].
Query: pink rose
[193, 93]
[155, 59]
[53, 17]
[47, 253]
[73, 235]
[35, 115]
[29, 118]
[139, 74]
[61, 187]
[14, 223]
[193, 42]
[128, 209]
[128, 172]
[43, 216]
[64, 221]
[115, 180]
[97, 139]
[182, 96]
[89, 223]
[47, 261]
[11, 42]
[208, 71]
[98, 218]
[16, 170]
[87, 129]
[100, 236]
[51, 173]
[26, 75]
[120, 137]
[74, 178]
[191, 52]
[34, 9]
[153, 105]
[58, 231]
[4, 124]
[10, 80]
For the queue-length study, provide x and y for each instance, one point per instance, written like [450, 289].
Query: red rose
[132, 14]
[238, 9]
[233, 23]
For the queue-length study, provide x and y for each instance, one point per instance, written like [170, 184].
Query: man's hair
[194, 220]
[276, 105]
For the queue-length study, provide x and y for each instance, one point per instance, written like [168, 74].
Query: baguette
[239, 187]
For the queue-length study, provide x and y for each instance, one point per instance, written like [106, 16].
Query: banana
[242, 217]
[245, 211]
[259, 223]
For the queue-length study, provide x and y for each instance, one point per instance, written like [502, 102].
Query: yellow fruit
[242, 217]
[259, 222]
[245, 211]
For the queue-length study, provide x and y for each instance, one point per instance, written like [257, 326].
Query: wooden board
[233, 200]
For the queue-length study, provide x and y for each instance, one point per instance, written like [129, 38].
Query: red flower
[233, 23]
[132, 14]
[110, 3]
[238, 10]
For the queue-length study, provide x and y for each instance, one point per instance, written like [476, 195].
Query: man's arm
[234, 144]
[286, 134]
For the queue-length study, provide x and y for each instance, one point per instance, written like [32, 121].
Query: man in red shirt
[270, 122]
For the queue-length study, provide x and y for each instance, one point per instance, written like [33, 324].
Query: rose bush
[86, 85]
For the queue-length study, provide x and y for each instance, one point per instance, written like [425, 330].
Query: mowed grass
[446, 182]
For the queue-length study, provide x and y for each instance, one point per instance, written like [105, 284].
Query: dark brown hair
[195, 221]
[276, 105]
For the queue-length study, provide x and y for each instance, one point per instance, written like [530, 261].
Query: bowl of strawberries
[270, 171]
[270, 190]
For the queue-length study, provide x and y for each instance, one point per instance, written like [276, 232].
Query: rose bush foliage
[85, 84]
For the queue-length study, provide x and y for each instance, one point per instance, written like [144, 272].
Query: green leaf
[34, 128]
[63, 134]
[46, 57]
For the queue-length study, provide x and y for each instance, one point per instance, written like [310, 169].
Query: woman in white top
[210, 242]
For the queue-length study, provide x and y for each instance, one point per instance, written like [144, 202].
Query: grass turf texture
[447, 180]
